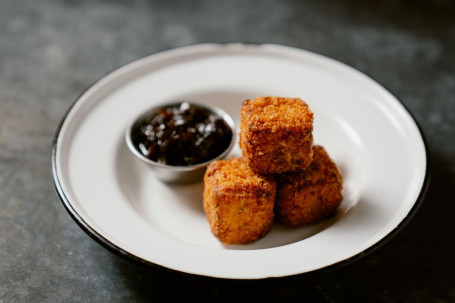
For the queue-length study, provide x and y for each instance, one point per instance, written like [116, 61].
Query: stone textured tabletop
[51, 51]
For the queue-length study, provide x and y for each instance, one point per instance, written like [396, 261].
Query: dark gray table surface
[50, 51]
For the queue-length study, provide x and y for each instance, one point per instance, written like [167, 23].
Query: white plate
[117, 200]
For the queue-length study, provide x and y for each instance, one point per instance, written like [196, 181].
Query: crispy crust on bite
[276, 134]
[238, 203]
[310, 196]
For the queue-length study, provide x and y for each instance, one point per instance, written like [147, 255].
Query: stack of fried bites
[281, 175]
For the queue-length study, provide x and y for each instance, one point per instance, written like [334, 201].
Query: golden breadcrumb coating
[276, 134]
[238, 202]
[310, 196]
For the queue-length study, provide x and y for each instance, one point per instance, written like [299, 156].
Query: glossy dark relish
[182, 134]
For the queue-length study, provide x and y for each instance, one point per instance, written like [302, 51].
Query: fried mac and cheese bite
[238, 202]
[310, 196]
[276, 134]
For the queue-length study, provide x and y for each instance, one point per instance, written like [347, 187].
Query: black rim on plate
[137, 260]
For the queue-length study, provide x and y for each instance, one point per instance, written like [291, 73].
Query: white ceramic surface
[118, 201]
